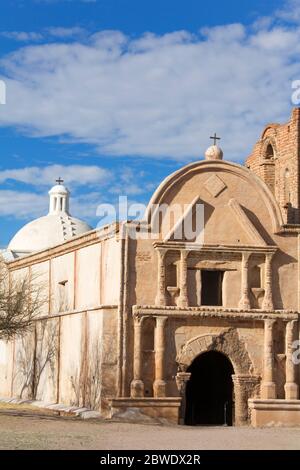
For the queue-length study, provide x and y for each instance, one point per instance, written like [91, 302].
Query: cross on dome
[215, 138]
[214, 152]
[59, 181]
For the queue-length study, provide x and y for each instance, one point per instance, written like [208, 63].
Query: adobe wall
[71, 356]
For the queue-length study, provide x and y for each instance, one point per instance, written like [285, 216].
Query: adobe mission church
[185, 332]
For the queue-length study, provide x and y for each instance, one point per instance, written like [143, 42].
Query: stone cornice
[89, 238]
[75, 312]
[214, 312]
[215, 248]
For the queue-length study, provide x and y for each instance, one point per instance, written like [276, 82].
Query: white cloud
[89, 185]
[156, 96]
[21, 205]
[63, 33]
[60, 33]
[27, 206]
[22, 36]
[85, 206]
[131, 189]
[290, 11]
[74, 175]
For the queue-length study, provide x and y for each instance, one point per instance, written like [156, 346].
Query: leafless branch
[21, 300]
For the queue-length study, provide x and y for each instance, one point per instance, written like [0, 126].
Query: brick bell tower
[276, 160]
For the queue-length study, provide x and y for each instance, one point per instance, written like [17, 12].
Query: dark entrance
[211, 287]
[209, 392]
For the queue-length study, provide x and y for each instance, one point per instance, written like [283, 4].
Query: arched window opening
[269, 152]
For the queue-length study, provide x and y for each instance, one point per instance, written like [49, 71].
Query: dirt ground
[45, 432]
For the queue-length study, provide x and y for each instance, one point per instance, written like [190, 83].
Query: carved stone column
[161, 278]
[244, 303]
[268, 298]
[245, 387]
[159, 386]
[291, 387]
[182, 379]
[183, 296]
[268, 388]
[137, 384]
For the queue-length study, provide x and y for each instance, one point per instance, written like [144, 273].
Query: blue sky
[113, 95]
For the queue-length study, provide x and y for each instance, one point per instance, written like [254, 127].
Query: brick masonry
[275, 159]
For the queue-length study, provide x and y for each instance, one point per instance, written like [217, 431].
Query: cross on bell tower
[215, 138]
[214, 152]
[59, 181]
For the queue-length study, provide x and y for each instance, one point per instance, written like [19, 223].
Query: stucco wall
[71, 355]
[69, 359]
[6, 367]
[88, 273]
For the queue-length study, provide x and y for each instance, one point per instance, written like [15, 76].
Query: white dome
[46, 232]
[50, 230]
[214, 153]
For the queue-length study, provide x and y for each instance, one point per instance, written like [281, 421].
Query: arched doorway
[209, 392]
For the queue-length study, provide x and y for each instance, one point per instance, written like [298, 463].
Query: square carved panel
[214, 185]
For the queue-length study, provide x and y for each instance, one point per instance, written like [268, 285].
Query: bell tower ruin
[276, 160]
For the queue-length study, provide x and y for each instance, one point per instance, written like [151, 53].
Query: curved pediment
[234, 199]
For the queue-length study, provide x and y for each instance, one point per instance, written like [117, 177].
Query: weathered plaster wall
[88, 274]
[71, 355]
[6, 367]
[68, 359]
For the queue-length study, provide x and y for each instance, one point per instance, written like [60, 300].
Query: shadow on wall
[257, 224]
[86, 382]
[37, 352]
[36, 362]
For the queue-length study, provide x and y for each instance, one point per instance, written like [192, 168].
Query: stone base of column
[244, 304]
[182, 302]
[291, 391]
[241, 419]
[245, 387]
[159, 388]
[137, 389]
[268, 390]
[182, 379]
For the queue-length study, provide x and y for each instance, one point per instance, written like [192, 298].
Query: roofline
[86, 239]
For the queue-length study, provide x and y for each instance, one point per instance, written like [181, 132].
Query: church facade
[194, 331]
